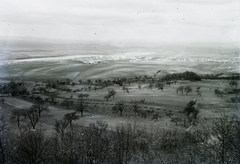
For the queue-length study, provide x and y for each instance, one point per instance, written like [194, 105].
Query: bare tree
[180, 88]
[2, 100]
[96, 144]
[71, 117]
[89, 88]
[17, 114]
[30, 148]
[199, 93]
[220, 147]
[160, 86]
[124, 140]
[168, 83]
[67, 103]
[139, 86]
[73, 83]
[40, 108]
[198, 89]
[136, 107]
[3, 140]
[89, 82]
[119, 106]
[80, 96]
[176, 119]
[80, 107]
[112, 92]
[127, 90]
[95, 88]
[52, 96]
[60, 127]
[233, 83]
[188, 89]
[150, 86]
[235, 141]
[107, 97]
[33, 116]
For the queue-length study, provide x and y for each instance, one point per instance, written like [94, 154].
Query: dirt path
[80, 74]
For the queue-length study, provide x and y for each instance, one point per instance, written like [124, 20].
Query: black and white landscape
[119, 81]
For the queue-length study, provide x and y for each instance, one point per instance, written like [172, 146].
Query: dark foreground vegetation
[126, 143]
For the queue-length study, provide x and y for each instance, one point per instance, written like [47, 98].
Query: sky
[142, 20]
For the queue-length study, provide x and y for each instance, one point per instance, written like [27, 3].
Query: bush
[176, 119]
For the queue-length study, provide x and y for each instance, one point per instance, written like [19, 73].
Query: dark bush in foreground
[126, 143]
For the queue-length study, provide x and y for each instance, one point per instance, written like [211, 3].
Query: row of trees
[14, 89]
[192, 76]
[32, 113]
[126, 143]
[181, 89]
[169, 77]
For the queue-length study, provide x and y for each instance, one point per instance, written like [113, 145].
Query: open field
[106, 89]
[156, 101]
[30, 60]
[159, 119]
[43, 70]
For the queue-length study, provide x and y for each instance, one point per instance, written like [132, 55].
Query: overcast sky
[160, 20]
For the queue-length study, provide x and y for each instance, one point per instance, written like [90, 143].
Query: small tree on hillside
[73, 84]
[89, 88]
[2, 100]
[40, 108]
[112, 92]
[80, 96]
[89, 82]
[168, 83]
[198, 89]
[181, 89]
[71, 117]
[60, 127]
[188, 89]
[127, 90]
[119, 106]
[135, 107]
[33, 116]
[233, 83]
[150, 86]
[176, 120]
[80, 107]
[139, 86]
[52, 97]
[107, 97]
[191, 111]
[160, 86]
[95, 88]
[17, 114]
[218, 92]
[67, 103]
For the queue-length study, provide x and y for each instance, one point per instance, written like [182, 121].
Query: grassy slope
[209, 105]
